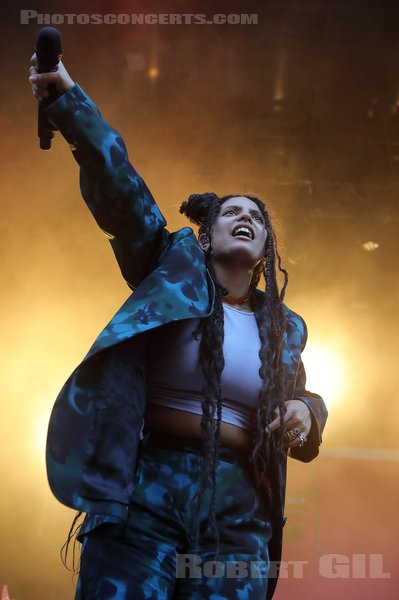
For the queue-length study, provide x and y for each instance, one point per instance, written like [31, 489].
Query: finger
[33, 60]
[302, 430]
[300, 424]
[32, 71]
[273, 425]
[39, 93]
[37, 85]
[36, 80]
[301, 438]
[44, 79]
[42, 91]
[294, 423]
[293, 418]
[296, 443]
[4, 593]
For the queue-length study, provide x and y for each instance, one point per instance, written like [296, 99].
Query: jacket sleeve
[114, 192]
[318, 413]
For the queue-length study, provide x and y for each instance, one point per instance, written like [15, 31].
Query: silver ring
[292, 434]
[302, 437]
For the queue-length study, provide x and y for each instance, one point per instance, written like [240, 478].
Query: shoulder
[296, 326]
[184, 232]
[182, 242]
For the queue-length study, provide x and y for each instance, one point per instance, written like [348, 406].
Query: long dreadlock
[203, 209]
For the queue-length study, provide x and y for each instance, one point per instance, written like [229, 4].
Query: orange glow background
[301, 109]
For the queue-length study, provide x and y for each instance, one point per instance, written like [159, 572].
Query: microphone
[49, 53]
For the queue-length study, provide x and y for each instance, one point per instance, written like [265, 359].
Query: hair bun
[197, 206]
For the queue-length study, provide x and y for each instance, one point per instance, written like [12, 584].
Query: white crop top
[174, 376]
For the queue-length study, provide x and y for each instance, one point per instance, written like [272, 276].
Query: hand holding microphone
[48, 77]
[40, 81]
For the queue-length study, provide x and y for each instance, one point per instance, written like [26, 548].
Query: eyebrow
[252, 211]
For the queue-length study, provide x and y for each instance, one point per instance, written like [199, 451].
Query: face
[228, 244]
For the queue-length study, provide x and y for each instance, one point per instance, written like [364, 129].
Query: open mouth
[243, 231]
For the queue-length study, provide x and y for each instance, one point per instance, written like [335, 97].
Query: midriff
[183, 423]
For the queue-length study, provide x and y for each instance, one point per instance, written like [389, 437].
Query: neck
[235, 280]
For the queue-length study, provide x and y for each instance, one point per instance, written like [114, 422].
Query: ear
[204, 241]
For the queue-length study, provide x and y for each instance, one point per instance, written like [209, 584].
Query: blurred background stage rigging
[301, 109]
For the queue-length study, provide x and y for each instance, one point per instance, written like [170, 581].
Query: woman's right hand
[40, 81]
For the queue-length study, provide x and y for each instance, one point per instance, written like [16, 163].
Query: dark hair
[72, 535]
[202, 209]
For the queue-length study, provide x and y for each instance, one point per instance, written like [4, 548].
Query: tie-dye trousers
[153, 557]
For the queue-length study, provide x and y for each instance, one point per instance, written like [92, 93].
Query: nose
[246, 216]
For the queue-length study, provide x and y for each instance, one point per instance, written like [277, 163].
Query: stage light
[279, 84]
[153, 72]
[325, 372]
[370, 246]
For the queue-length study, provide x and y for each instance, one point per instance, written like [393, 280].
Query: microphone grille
[48, 46]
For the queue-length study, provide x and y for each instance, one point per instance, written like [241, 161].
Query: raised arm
[114, 192]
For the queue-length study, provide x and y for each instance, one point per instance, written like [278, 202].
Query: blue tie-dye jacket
[97, 418]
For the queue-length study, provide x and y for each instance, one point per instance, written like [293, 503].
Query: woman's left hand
[297, 416]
